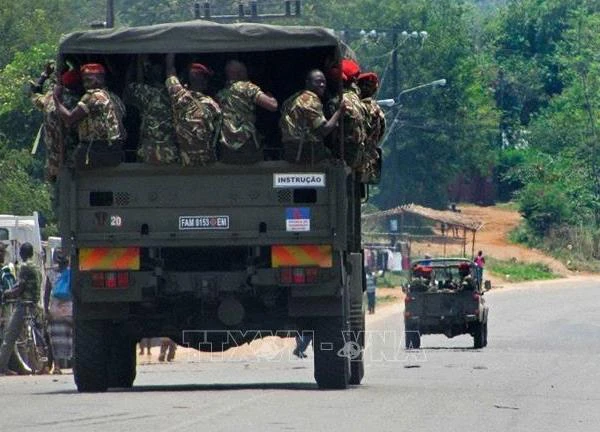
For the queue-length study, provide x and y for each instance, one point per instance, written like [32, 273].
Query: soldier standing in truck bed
[57, 139]
[99, 118]
[197, 117]
[303, 124]
[239, 143]
[149, 95]
[375, 121]
[354, 118]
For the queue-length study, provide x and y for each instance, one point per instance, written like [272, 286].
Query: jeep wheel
[357, 365]
[479, 335]
[90, 368]
[412, 339]
[332, 365]
[122, 359]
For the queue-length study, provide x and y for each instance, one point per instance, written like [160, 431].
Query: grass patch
[392, 279]
[509, 205]
[515, 271]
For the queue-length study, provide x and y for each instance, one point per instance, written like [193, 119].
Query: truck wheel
[357, 365]
[122, 359]
[90, 356]
[412, 339]
[332, 362]
[478, 336]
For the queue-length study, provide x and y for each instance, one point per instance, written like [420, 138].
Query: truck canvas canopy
[197, 36]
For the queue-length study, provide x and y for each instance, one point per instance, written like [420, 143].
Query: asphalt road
[539, 373]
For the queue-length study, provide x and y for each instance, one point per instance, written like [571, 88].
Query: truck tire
[90, 368]
[478, 335]
[123, 359]
[332, 364]
[357, 336]
[412, 339]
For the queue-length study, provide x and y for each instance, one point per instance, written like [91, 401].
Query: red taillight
[110, 280]
[476, 296]
[122, 279]
[298, 275]
[408, 299]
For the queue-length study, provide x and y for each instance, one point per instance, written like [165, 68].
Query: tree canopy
[521, 104]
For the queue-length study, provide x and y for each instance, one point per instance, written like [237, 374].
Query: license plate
[203, 222]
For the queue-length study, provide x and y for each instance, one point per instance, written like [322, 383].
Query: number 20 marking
[116, 221]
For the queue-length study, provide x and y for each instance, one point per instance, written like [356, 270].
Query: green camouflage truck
[217, 256]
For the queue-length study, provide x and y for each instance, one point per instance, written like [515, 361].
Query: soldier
[157, 132]
[99, 118]
[26, 289]
[303, 124]
[197, 117]
[58, 140]
[368, 84]
[239, 143]
[354, 116]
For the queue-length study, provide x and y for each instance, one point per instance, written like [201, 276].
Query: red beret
[200, 68]
[92, 68]
[71, 78]
[369, 76]
[350, 69]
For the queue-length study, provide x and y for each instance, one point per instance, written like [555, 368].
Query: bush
[544, 206]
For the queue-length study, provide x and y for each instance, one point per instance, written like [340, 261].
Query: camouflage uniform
[301, 117]
[30, 279]
[239, 142]
[157, 133]
[354, 128]
[375, 128]
[101, 131]
[197, 119]
[53, 132]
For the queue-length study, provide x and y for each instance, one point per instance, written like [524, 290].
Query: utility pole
[395, 60]
[110, 14]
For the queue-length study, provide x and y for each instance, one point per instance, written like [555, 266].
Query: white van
[16, 230]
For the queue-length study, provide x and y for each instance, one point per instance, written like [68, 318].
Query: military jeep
[444, 297]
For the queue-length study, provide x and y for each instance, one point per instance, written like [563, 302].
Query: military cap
[200, 68]
[92, 68]
[350, 69]
[370, 77]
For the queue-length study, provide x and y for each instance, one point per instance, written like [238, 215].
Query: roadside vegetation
[520, 109]
[515, 271]
[392, 279]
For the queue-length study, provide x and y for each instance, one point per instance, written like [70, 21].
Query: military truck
[217, 256]
[443, 297]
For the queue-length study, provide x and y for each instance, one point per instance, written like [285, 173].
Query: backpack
[62, 286]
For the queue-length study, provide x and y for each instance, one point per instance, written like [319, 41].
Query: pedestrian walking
[58, 306]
